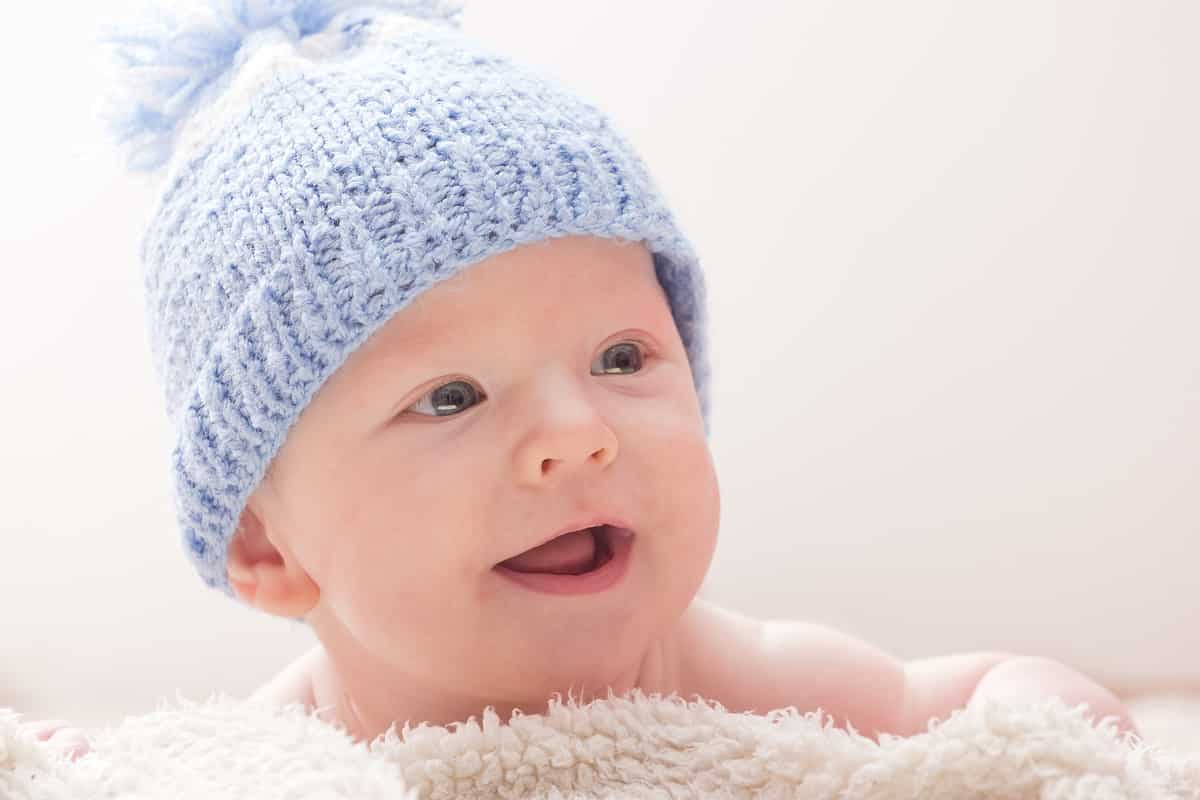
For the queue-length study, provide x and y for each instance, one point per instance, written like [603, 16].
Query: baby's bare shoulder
[292, 685]
[710, 648]
[757, 665]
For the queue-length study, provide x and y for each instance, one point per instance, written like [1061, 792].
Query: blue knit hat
[323, 162]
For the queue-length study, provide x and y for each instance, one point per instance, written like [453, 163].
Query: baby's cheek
[387, 613]
[687, 495]
[689, 483]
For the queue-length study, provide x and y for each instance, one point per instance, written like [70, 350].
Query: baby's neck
[366, 708]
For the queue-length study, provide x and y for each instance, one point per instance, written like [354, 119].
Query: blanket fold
[630, 746]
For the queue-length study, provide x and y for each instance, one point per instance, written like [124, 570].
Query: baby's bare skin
[381, 523]
[857, 685]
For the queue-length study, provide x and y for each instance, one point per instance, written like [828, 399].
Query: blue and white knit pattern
[325, 163]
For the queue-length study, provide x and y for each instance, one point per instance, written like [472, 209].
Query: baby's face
[475, 424]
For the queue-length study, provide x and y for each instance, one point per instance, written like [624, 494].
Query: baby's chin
[612, 618]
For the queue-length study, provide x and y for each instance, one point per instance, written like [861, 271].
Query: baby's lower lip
[603, 577]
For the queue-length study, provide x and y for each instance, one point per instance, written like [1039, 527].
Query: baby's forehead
[528, 284]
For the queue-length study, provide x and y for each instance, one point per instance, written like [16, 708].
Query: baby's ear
[262, 576]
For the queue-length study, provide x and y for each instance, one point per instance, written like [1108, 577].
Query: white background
[952, 253]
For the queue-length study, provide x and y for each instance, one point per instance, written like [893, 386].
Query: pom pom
[165, 61]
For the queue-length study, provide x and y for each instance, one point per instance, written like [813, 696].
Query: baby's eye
[457, 395]
[446, 399]
[619, 358]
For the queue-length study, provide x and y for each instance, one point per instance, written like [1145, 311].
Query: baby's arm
[813, 657]
[754, 665]
[1031, 678]
[858, 683]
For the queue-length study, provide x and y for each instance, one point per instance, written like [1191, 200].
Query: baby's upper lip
[578, 524]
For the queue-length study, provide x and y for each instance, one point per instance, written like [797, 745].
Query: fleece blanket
[630, 746]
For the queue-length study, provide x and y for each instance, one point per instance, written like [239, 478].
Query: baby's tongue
[569, 553]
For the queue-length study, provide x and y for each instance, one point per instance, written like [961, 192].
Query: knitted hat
[323, 162]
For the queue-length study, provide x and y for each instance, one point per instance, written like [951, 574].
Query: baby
[508, 493]
[433, 348]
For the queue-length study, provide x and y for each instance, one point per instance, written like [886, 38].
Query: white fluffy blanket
[632, 746]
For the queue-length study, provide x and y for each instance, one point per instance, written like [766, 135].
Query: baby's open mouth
[574, 553]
